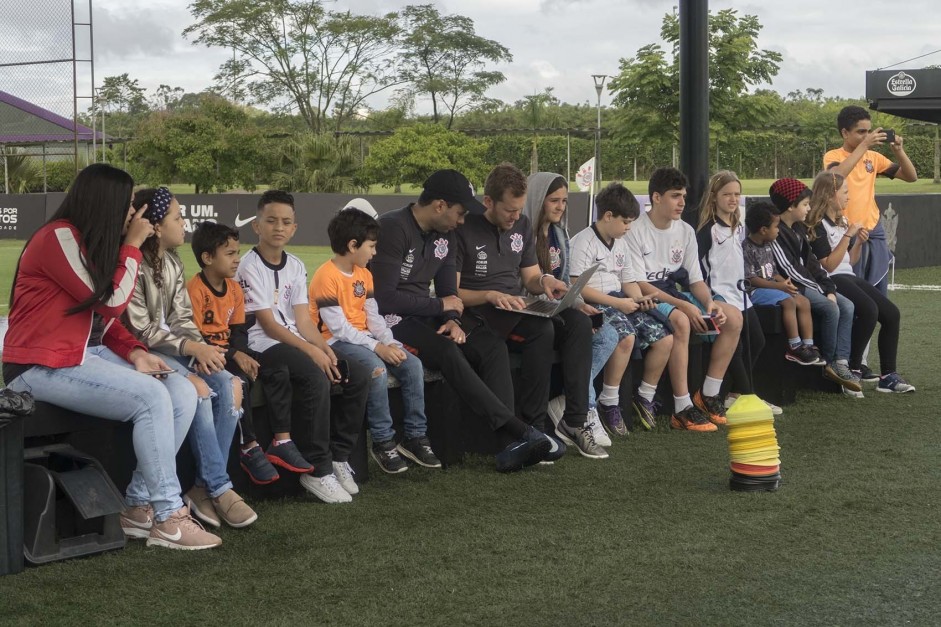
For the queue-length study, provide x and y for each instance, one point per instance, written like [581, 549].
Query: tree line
[294, 106]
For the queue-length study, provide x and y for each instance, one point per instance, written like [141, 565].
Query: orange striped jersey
[332, 288]
[215, 312]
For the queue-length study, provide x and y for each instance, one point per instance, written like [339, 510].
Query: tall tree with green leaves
[646, 89]
[295, 55]
[211, 145]
[317, 163]
[412, 153]
[444, 58]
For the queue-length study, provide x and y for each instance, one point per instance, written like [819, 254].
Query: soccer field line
[915, 288]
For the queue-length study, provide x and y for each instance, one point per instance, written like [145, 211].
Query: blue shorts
[666, 309]
[767, 296]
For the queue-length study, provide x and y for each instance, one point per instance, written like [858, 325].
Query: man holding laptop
[496, 261]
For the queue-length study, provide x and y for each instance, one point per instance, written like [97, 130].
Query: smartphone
[889, 136]
[712, 327]
[159, 373]
[344, 367]
[597, 320]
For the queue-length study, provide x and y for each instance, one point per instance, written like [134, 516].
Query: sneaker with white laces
[892, 382]
[200, 506]
[327, 488]
[866, 374]
[556, 409]
[582, 439]
[137, 521]
[344, 474]
[852, 393]
[593, 421]
[181, 531]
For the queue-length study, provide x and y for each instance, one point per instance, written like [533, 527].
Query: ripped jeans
[213, 428]
[412, 377]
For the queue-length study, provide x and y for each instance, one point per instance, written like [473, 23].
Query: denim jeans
[412, 377]
[833, 324]
[213, 428]
[107, 386]
[603, 343]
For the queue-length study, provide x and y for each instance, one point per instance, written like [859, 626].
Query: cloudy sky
[825, 44]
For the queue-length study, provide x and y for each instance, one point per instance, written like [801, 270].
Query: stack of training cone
[753, 446]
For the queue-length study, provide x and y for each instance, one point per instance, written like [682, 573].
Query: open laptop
[548, 308]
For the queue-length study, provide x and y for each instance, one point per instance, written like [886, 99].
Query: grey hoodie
[537, 185]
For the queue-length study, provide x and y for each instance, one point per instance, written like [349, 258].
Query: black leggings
[871, 306]
[739, 369]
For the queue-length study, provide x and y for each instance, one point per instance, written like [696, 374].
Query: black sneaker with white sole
[419, 451]
[388, 458]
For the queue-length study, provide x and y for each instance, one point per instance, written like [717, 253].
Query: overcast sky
[825, 44]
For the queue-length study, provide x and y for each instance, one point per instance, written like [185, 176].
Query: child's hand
[695, 316]
[627, 305]
[831, 297]
[863, 235]
[392, 355]
[248, 365]
[325, 362]
[789, 287]
[853, 229]
[209, 358]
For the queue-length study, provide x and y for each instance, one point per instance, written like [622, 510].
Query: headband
[159, 205]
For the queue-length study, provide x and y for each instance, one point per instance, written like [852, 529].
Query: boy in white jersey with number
[613, 290]
[664, 255]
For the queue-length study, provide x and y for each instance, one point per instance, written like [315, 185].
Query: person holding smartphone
[344, 310]
[279, 327]
[613, 290]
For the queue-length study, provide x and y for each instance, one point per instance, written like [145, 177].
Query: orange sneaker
[691, 419]
[712, 406]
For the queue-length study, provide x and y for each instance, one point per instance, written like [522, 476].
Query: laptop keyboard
[542, 306]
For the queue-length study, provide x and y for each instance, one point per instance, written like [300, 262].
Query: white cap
[363, 205]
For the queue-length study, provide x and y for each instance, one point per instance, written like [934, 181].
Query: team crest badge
[410, 258]
[619, 261]
[359, 289]
[676, 255]
[555, 257]
[441, 248]
[516, 242]
[869, 167]
[482, 255]
[392, 320]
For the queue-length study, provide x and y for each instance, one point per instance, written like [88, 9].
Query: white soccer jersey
[654, 253]
[835, 233]
[278, 288]
[587, 249]
[720, 251]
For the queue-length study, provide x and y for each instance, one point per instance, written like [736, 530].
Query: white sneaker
[593, 421]
[555, 409]
[327, 489]
[344, 474]
[852, 393]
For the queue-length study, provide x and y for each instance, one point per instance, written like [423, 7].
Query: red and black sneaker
[711, 406]
[288, 457]
[691, 419]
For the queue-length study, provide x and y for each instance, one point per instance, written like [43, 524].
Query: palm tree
[318, 163]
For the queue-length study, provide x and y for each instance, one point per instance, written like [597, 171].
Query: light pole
[599, 87]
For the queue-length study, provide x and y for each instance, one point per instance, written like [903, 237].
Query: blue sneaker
[531, 449]
[556, 451]
[892, 382]
[259, 469]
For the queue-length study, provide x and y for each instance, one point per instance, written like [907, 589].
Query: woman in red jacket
[66, 345]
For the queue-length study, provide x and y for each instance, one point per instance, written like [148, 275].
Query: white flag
[585, 175]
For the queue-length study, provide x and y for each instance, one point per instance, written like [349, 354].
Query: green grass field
[650, 536]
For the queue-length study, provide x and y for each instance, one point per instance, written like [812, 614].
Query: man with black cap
[416, 246]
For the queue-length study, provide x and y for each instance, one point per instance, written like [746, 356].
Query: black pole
[694, 101]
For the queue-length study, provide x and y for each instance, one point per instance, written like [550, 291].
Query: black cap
[452, 186]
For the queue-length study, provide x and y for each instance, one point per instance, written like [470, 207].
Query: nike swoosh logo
[479, 247]
[600, 258]
[239, 222]
[411, 250]
[140, 525]
[645, 254]
[176, 536]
